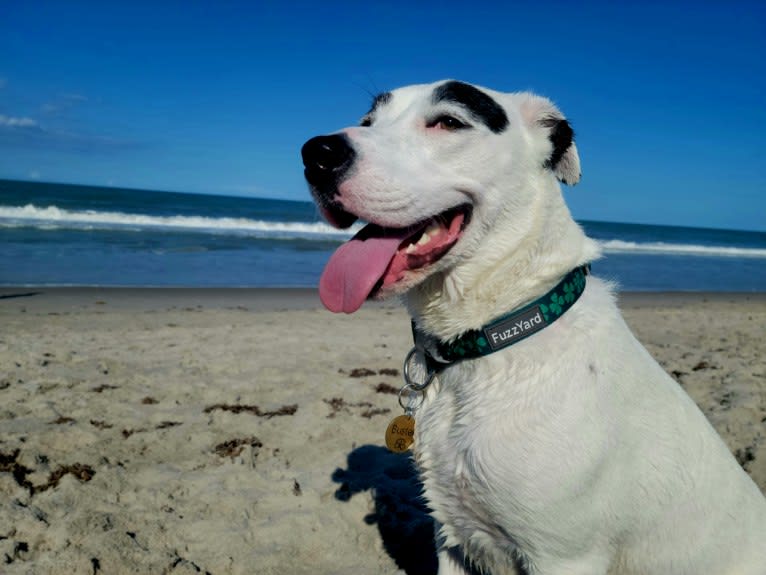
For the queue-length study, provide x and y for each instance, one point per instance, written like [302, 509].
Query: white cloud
[23, 131]
[13, 122]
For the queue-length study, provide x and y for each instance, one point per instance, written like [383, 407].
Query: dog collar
[496, 335]
[504, 330]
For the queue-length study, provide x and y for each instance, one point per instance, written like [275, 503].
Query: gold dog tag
[400, 433]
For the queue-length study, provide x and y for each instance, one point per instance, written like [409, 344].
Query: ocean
[67, 235]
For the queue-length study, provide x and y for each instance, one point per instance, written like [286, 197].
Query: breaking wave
[659, 248]
[55, 218]
[52, 217]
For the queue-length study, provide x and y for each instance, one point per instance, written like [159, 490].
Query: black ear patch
[561, 136]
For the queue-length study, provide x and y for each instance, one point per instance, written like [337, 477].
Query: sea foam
[53, 217]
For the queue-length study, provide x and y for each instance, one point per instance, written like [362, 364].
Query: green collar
[507, 329]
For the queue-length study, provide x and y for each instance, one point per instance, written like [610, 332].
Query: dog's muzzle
[327, 159]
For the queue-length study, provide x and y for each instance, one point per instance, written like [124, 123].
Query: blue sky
[666, 98]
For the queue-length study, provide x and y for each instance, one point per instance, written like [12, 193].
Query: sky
[667, 99]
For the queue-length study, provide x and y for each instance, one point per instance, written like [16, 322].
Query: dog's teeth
[432, 229]
[424, 239]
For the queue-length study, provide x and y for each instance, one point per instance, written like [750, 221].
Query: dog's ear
[541, 114]
[564, 160]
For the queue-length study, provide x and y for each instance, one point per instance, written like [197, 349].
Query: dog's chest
[468, 451]
[489, 441]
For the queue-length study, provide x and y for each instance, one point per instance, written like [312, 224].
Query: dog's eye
[445, 122]
[366, 122]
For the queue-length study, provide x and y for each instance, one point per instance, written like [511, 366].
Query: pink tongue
[355, 268]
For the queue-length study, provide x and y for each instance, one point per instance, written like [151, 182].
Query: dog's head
[432, 168]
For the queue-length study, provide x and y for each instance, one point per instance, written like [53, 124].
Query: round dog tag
[400, 433]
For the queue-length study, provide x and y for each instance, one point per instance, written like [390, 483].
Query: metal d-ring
[414, 389]
[411, 384]
[412, 404]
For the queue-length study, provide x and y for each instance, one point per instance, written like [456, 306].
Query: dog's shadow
[400, 513]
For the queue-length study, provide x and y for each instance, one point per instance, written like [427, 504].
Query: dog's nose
[327, 158]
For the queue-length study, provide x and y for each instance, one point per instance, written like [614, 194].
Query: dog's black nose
[327, 158]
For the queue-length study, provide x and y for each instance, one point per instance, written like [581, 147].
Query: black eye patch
[476, 102]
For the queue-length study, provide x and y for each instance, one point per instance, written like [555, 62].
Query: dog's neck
[497, 280]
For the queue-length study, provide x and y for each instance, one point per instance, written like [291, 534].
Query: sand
[240, 431]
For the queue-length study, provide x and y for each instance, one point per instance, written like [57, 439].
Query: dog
[570, 451]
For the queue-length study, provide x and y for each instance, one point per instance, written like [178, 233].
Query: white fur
[571, 452]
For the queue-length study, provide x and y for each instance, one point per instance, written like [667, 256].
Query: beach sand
[240, 431]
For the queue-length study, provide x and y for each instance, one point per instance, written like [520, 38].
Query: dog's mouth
[378, 258]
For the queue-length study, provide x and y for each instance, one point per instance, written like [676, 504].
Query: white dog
[558, 446]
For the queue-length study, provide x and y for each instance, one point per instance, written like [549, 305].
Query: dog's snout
[327, 158]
